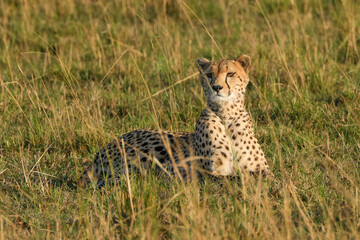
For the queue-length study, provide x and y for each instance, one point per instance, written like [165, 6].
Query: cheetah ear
[245, 62]
[202, 64]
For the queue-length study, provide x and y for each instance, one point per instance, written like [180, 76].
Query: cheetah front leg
[249, 155]
[213, 146]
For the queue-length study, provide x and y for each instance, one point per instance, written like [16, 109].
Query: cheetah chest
[214, 145]
[227, 147]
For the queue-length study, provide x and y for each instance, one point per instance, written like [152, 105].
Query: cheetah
[223, 143]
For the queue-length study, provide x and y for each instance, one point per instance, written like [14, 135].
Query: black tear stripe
[226, 81]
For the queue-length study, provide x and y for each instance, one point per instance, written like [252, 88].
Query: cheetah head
[224, 80]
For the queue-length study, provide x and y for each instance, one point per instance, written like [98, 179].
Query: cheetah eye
[209, 75]
[230, 74]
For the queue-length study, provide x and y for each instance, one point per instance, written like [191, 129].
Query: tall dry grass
[75, 74]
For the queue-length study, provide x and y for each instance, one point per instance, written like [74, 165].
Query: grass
[75, 74]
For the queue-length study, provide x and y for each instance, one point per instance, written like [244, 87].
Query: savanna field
[76, 74]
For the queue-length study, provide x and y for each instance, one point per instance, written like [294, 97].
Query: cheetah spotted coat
[223, 143]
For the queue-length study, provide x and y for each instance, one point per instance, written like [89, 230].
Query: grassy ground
[74, 74]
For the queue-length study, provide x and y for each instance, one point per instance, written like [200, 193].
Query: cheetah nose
[217, 88]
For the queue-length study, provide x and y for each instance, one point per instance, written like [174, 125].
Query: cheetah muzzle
[223, 143]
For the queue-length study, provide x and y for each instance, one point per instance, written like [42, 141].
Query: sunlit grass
[75, 74]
